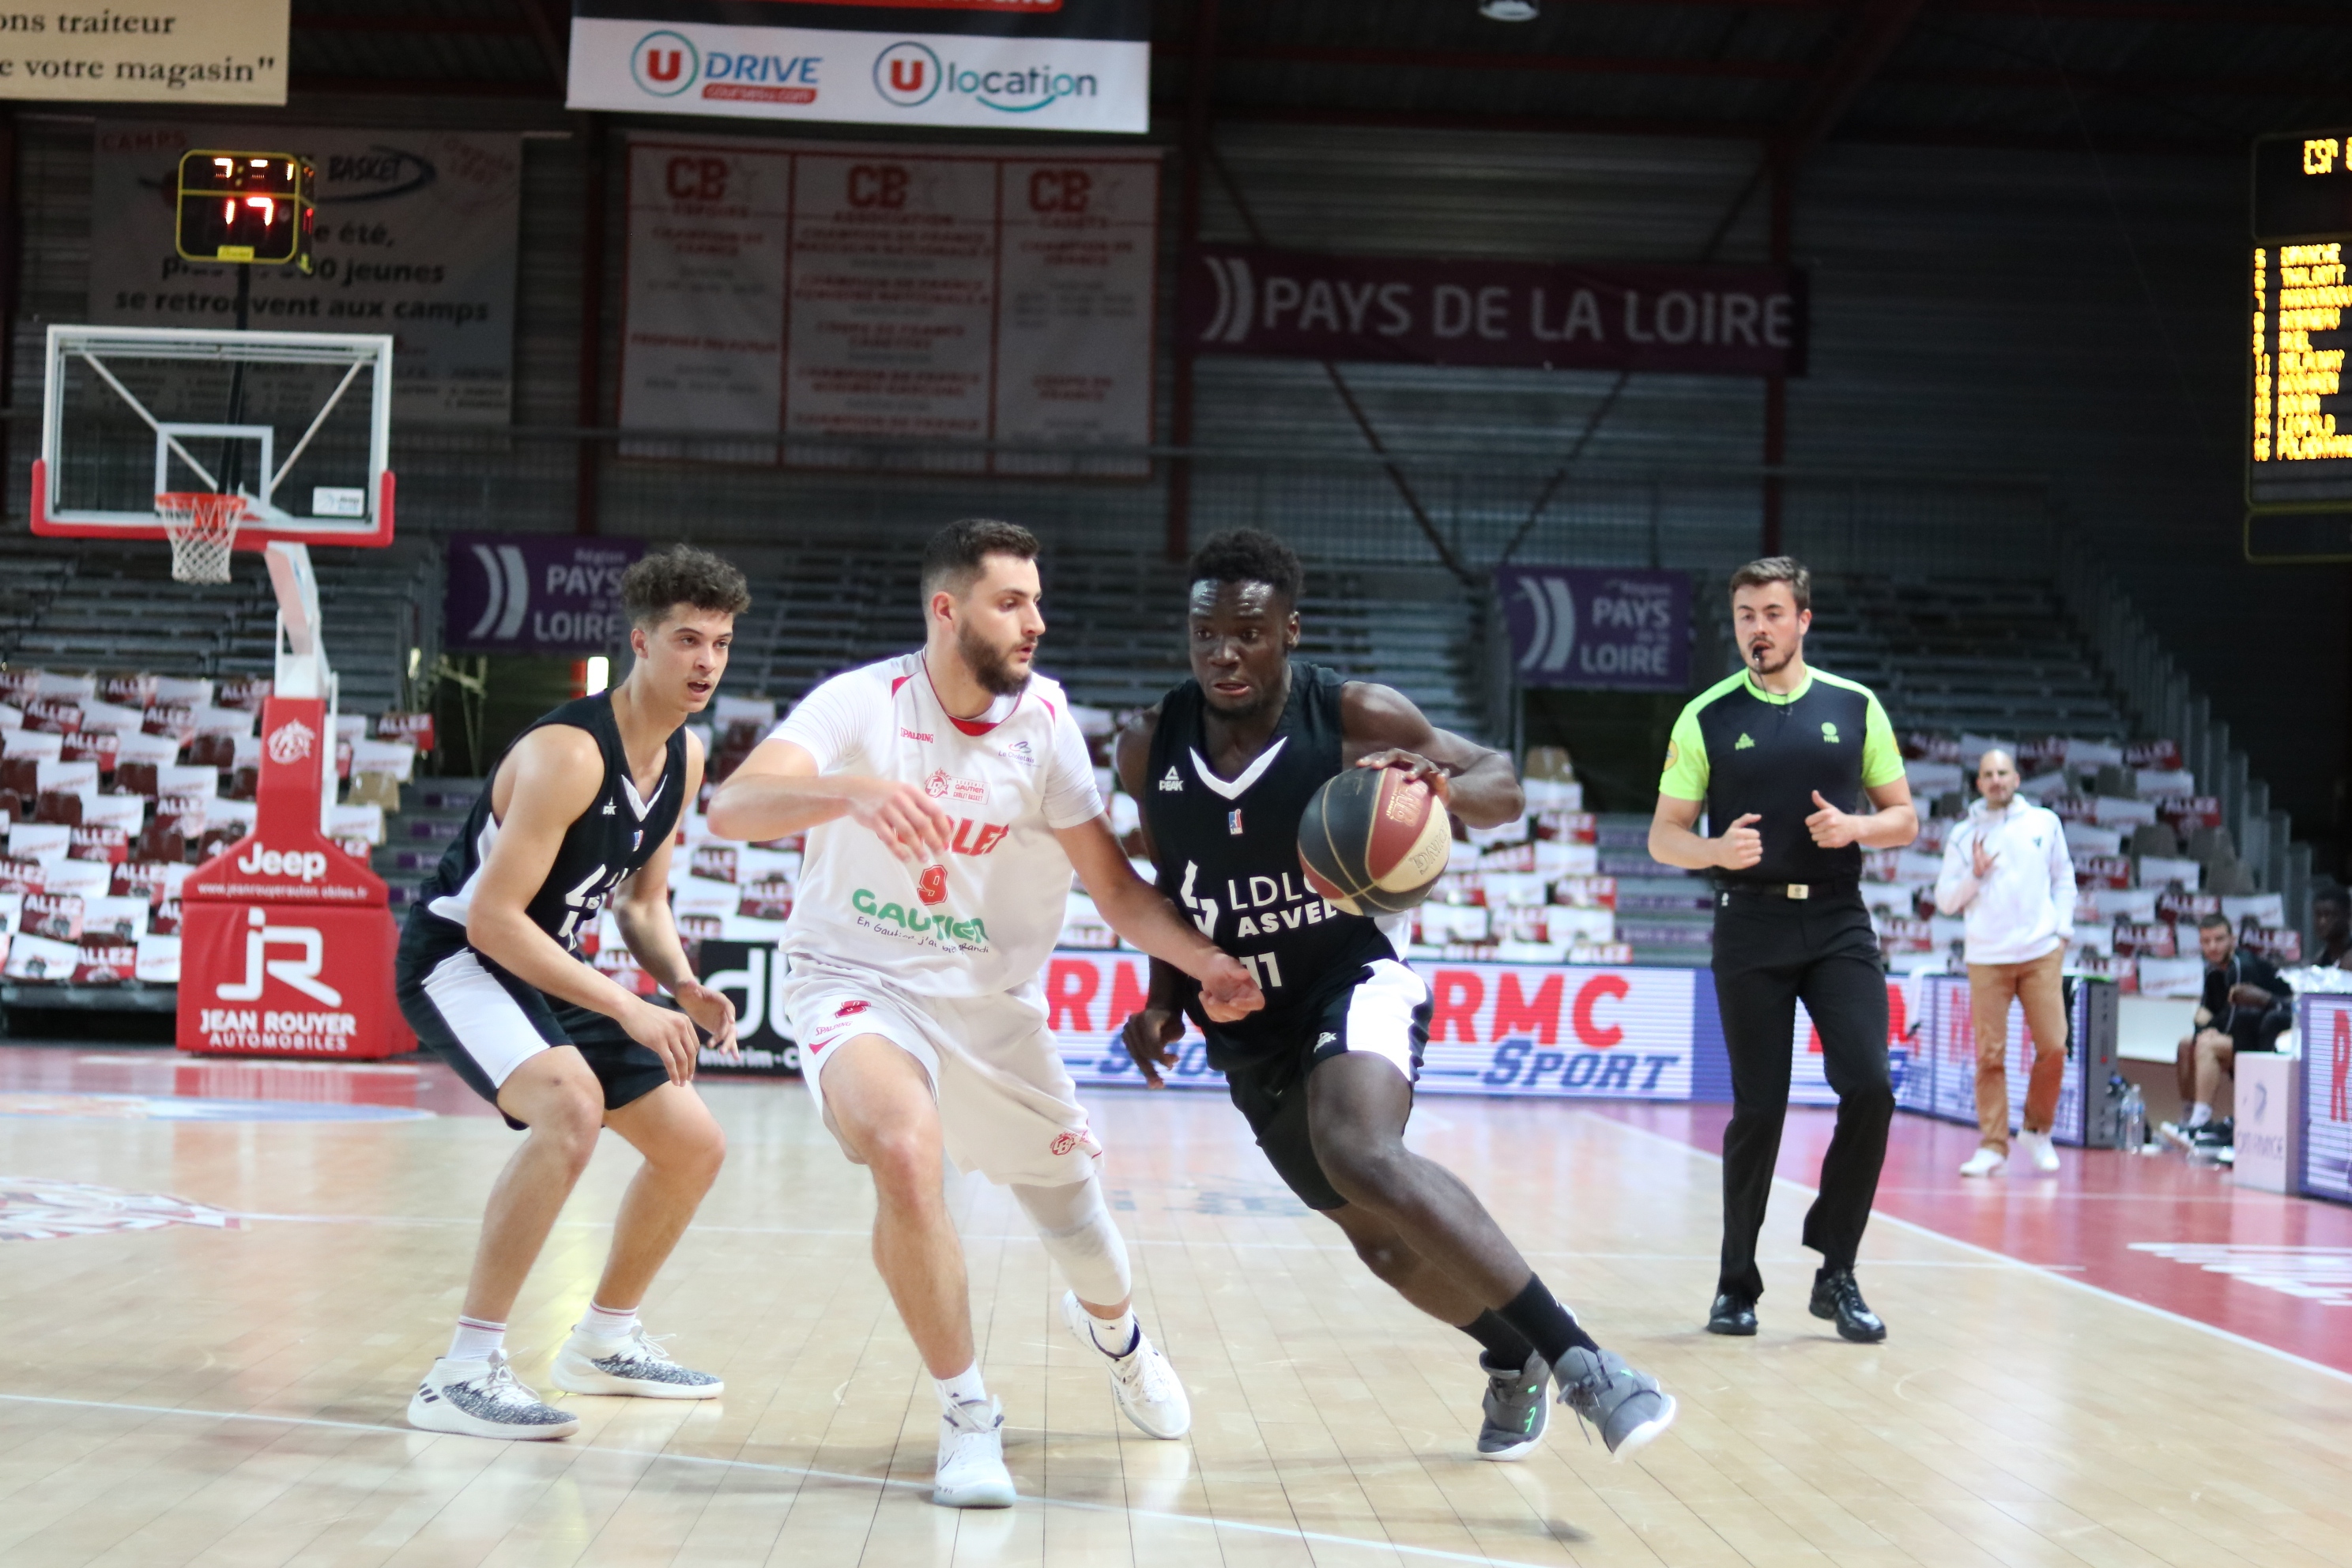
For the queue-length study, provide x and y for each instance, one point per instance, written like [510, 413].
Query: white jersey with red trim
[983, 918]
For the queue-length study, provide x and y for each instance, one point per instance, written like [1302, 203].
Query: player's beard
[989, 665]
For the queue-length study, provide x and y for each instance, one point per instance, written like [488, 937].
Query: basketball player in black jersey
[579, 813]
[1223, 769]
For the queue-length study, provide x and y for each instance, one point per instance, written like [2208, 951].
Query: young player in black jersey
[1223, 769]
[579, 813]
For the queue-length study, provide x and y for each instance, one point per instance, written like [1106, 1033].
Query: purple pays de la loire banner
[1711, 320]
[1597, 627]
[524, 593]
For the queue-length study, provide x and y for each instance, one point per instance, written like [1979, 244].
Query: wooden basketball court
[220, 1380]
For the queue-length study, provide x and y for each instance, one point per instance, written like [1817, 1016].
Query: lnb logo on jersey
[909, 75]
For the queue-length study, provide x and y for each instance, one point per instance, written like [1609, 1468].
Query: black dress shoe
[1732, 1315]
[1835, 1295]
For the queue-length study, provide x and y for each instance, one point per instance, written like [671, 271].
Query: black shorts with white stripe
[484, 1023]
[1384, 1013]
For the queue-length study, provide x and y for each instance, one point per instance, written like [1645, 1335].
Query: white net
[202, 527]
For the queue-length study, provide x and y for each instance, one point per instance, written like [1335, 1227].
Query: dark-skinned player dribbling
[1223, 769]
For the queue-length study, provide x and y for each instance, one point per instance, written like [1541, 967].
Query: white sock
[2200, 1114]
[1115, 1336]
[965, 1388]
[607, 1322]
[475, 1340]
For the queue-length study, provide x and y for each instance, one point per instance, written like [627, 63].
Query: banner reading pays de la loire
[535, 593]
[1028, 65]
[1493, 1028]
[1284, 304]
[1597, 628]
[417, 237]
[162, 51]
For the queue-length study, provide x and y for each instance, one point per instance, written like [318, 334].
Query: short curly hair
[657, 585]
[1249, 556]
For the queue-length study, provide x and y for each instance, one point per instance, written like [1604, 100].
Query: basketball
[1373, 841]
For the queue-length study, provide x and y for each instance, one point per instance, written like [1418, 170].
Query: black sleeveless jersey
[1227, 852]
[610, 841]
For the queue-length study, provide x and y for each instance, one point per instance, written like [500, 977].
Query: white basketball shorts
[1007, 1106]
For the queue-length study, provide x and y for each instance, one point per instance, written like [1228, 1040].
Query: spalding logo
[307, 864]
[290, 742]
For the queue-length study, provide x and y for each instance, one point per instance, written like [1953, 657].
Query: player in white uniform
[946, 795]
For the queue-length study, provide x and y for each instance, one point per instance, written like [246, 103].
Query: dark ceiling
[2156, 75]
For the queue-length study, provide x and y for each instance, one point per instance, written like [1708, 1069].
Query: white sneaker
[482, 1399]
[2038, 1149]
[971, 1472]
[1985, 1161]
[1149, 1391]
[635, 1364]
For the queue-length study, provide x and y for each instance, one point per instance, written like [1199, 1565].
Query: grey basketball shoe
[1516, 1411]
[1628, 1406]
[482, 1399]
[636, 1365]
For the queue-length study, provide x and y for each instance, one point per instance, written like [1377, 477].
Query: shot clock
[249, 207]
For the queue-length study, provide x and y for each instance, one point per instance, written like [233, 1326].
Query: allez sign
[1025, 65]
[1710, 321]
[1597, 628]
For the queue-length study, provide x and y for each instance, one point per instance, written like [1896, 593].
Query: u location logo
[906, 74]
[664, 64]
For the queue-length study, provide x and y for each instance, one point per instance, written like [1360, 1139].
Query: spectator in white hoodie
[2007, 866]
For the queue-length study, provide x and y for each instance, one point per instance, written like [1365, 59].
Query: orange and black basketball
[1374, 840]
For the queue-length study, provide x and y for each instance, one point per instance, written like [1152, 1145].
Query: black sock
[1552, 1328]
[1507, 1348]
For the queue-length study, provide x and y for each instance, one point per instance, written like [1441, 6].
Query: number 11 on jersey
[1265, 966]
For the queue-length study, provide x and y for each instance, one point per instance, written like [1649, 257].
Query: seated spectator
[2245, 1007]
[2331, 926]
[2006, 866]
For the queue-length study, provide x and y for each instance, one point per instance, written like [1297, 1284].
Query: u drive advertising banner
[1026, 65]
[1592, 628]
[1538, 315]
[417, 237]
[539, 594]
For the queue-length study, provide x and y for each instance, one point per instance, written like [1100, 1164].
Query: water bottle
[2131, 1122]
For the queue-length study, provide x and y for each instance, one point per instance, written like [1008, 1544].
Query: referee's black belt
[1787, 889]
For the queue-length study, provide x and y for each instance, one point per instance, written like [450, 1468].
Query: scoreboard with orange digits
[251, 207]
[2299, 423]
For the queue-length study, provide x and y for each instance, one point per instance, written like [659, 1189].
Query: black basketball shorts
[484, 1023]
[1385, 1014]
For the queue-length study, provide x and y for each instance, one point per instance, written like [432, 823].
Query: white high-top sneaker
[971, 1472]
[1148, 1391]
[2038, 1150]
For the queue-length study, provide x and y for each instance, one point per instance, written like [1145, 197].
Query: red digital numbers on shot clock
[254, 207]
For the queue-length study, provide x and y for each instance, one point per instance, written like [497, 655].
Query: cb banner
[1494, 1028]
[1024, 65]
[1596, 628]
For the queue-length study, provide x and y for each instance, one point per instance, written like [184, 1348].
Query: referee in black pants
[1781, 756]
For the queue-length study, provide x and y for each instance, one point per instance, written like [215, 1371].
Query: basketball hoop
[202, 527]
